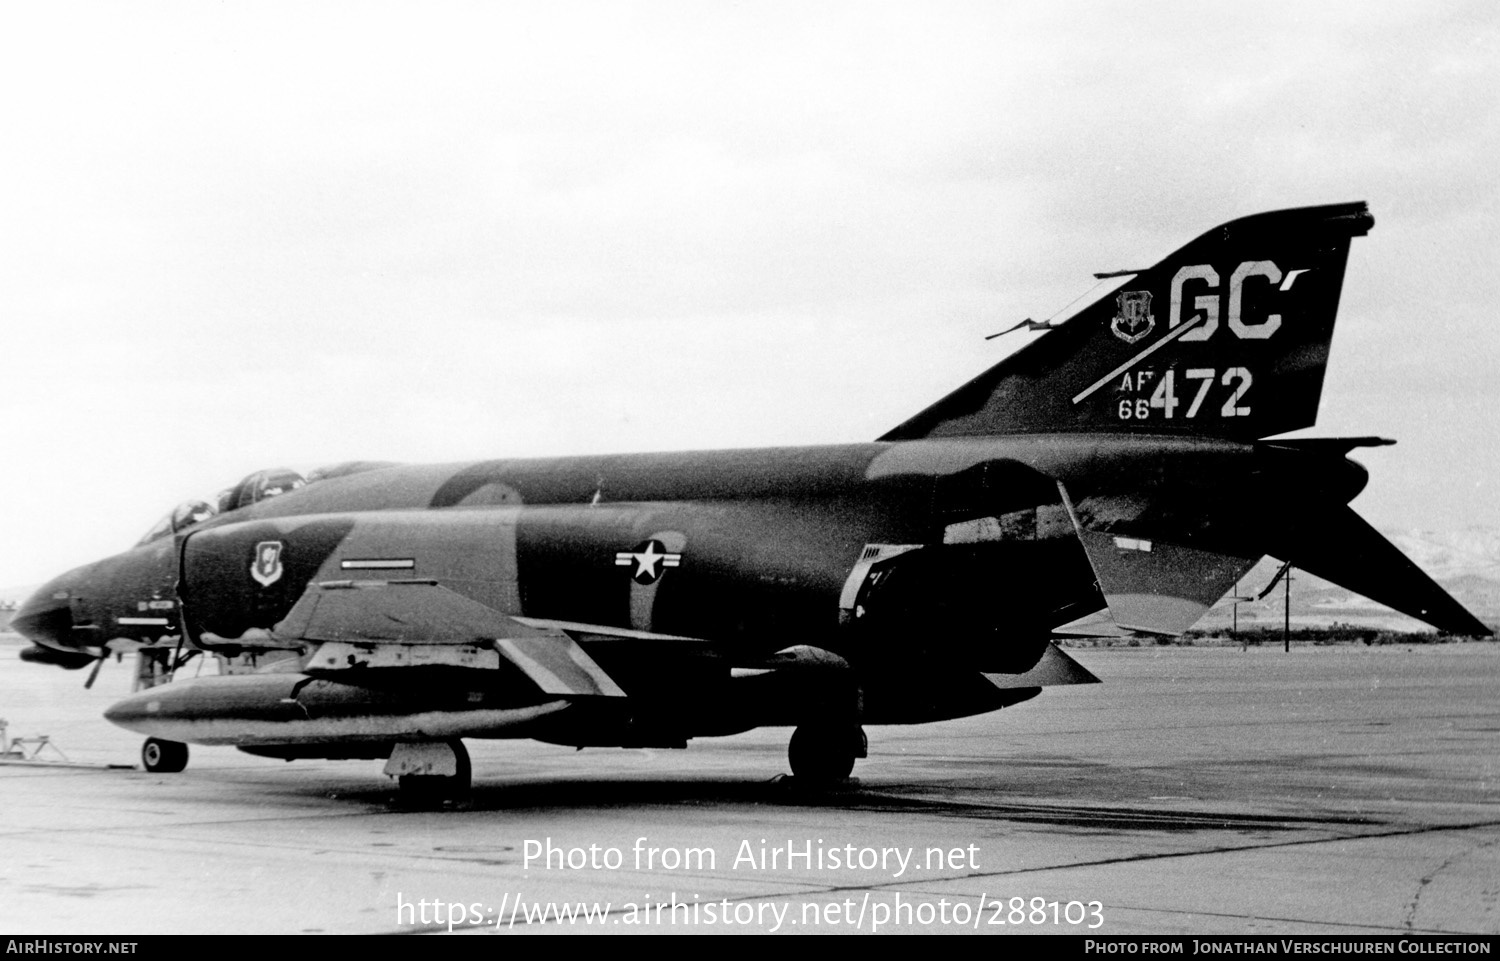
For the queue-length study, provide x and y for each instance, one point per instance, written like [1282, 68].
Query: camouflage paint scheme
[1110, 478]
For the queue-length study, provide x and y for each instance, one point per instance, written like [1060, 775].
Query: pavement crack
[1409, 919]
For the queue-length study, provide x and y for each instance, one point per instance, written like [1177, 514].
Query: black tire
[823, 754]
[163, 757]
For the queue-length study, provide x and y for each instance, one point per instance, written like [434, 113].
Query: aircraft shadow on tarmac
[593, 795]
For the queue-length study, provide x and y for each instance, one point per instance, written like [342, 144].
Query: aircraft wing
[360, 626]
[363, 625]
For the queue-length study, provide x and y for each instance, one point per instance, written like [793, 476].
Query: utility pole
[1234, 629]
[1286, 616]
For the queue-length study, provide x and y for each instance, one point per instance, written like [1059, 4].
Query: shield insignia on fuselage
[1133, 318]
[266, 567]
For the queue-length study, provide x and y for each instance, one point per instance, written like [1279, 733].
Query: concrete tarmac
[1330, 791]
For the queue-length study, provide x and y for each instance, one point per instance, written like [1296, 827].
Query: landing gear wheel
[435, 788]
[163, 757]
[823, 754]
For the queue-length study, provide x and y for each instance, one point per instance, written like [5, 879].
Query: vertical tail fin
[1227, 337]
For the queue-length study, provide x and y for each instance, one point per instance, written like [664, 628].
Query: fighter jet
[1116, 476]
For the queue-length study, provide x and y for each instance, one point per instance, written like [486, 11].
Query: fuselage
[758, 546]
[1118, 475]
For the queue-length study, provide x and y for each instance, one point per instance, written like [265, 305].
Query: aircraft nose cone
[46, 618]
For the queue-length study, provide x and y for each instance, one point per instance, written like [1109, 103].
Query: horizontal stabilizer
[1054, 669]
[1338, 545]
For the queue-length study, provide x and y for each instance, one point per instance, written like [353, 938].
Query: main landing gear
[163, 757]
[823, 754]
[431, 771]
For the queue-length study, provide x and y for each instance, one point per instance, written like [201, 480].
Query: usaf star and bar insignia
[648, 561]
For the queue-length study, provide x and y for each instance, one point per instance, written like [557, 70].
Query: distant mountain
[1447, 555]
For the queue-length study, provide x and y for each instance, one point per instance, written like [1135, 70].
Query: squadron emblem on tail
[1133, 319]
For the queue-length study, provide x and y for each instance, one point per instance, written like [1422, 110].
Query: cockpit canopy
[259, 486]
[252, 490]
[191, 512]
[162, 527]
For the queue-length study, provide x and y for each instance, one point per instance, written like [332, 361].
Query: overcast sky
[244, 235]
